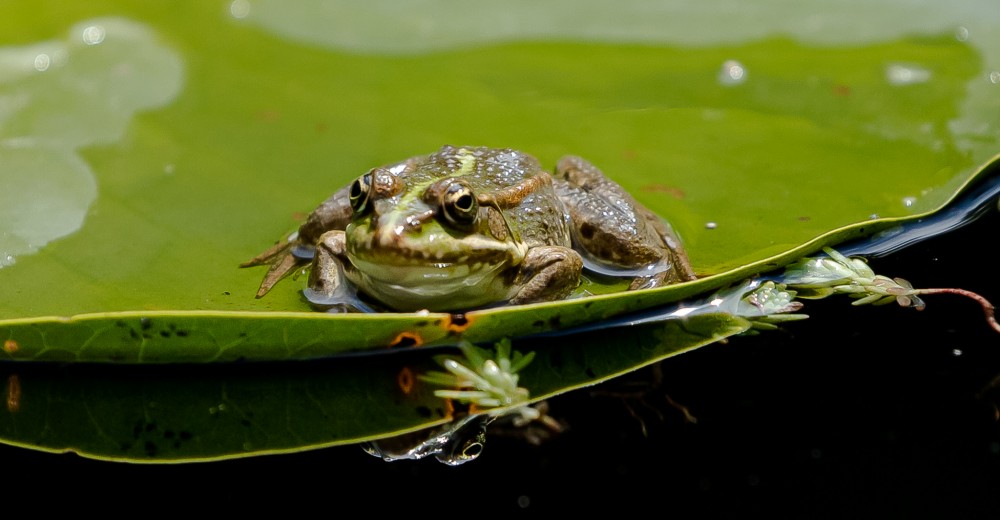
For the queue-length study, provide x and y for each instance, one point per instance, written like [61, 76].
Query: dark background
[856, 412]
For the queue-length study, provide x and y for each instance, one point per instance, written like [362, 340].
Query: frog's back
[486, 169]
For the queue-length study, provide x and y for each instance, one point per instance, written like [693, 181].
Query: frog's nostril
[587, 230]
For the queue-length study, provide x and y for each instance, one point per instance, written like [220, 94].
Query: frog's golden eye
[360, 193]
[459, 205]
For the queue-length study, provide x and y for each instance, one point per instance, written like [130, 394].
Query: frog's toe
[283, 258]
[549, 273]
[648, 282]
[667, 275]
[279, 269]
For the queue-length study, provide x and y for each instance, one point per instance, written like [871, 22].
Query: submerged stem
[838, 274]
[988, 308]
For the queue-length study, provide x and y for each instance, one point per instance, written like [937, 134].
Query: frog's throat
[414, 288]
[419, 283]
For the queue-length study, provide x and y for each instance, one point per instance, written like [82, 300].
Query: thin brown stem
[988, 308]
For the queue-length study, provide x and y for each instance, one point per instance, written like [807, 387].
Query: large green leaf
[204, 133]
[146, 150]
[156, 414]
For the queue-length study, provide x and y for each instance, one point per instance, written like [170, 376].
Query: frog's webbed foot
[342, 299]
[648, 282]
[674, 250]
[672, 268]
[547, 273]
[284, 258]
[329, 289]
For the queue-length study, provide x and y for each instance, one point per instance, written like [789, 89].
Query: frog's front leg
[333, 213]
[547, 273]
[329, 287]
[298, 249]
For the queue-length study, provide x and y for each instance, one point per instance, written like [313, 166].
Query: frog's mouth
[427, 263]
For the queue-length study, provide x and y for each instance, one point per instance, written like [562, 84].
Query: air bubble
[239, 8]
[93, 34]
[732, 73]
[42, 62]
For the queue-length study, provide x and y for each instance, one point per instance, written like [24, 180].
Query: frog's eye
[359, 194]
[459, 205]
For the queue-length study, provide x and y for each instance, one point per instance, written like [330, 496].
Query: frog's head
[418, 237]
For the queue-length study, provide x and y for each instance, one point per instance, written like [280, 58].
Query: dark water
[855, 412]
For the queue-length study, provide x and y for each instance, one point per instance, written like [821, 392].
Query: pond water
[198, 130]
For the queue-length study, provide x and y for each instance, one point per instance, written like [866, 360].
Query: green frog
[471, 227]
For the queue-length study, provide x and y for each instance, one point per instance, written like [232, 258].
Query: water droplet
[711, 225]
[909, 201]
[961, 34]
[899, 74]
[956, 352]
[732, 73]
[239, 8]
[168, 169]
[93, 34]
[995, 77]
[523, 501]
[42, 62]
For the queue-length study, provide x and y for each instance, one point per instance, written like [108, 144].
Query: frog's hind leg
[616, 234]
[682, 264]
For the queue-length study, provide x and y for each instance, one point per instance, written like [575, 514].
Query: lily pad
[146, 154]
[204, 412]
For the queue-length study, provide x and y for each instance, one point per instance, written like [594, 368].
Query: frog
[469, 227]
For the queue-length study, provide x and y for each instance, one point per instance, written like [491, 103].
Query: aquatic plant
[838, 274]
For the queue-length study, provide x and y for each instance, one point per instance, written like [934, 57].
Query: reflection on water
[452, 444]
[61, 95]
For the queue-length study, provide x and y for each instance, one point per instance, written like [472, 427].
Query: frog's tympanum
[469, 227]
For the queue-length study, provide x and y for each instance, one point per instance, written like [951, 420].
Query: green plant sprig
[838, 274]
[488, 384]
